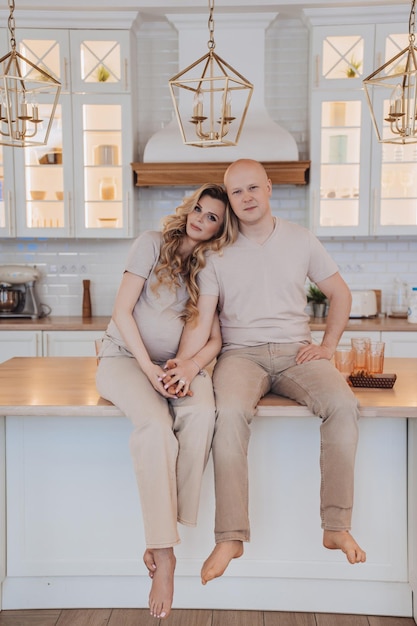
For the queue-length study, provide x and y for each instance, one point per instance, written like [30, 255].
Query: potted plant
[103, 74]
[353, 68]
[318, 300]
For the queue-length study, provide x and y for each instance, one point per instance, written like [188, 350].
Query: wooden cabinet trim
[183, 174]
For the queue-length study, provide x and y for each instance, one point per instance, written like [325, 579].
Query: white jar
[412, 307]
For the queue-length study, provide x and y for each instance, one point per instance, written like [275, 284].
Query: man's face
[249, 190]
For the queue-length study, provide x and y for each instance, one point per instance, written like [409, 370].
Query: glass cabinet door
[394, 183]
[395, 173]
[80, 183]
[340, 165]
[103, 153]
[48, 49]
[44, 174]
[7, 198]
[100, 61]
[342, 53]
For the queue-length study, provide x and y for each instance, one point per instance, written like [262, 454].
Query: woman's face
[205, 220]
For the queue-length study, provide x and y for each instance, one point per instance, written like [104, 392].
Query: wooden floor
[179, 617]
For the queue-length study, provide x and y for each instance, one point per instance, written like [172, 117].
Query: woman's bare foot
[343, 540]
[216, 564]
[162, 590]
[149, 560]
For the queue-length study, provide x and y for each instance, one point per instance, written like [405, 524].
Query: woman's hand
[178, 376]
[156, 376]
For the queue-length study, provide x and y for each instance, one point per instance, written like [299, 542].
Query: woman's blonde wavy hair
[171, 265]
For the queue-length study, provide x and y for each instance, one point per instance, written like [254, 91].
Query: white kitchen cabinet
[47, 343]
[357, 186]
[341, 157]
[402, 344]
[317, 336]
[20, 343]
[7, 214]
[80, 183]
[102, 166]
[100, 61]
[70, 342]
[397, 344]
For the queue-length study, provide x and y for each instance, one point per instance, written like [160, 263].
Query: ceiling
[161, 7]
[126, 13]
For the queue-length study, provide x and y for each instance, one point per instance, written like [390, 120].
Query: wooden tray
[378, 381]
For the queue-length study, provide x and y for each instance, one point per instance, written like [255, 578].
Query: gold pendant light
[396, 81]
[210, 108]
[21, 84]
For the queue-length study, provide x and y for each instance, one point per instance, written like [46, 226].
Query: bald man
[258, 286]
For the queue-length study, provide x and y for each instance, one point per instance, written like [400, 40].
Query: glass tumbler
[360, 347]
[343, 360]
[375, 363]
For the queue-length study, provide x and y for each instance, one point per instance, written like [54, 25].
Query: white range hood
[240, 40]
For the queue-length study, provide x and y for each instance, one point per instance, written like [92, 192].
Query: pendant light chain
[11, 25]
[205, 89]
[211, 44]
[412, 21]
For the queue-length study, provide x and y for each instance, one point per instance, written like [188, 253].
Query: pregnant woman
[172, 430]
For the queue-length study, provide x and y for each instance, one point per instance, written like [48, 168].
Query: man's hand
[178, 376]
[313, 352]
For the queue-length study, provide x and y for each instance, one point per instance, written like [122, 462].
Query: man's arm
[196, 335]
[340, 302]
[200, 343]
[340, 299]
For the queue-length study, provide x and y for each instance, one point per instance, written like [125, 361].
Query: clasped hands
[178, 377]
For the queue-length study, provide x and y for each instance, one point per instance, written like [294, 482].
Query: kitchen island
[74, 536]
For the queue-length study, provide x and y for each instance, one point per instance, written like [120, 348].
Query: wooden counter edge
[25, 377]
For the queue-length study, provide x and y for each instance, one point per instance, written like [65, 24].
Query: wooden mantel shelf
[183, 174]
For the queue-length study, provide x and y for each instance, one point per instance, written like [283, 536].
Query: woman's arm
[127, 296]
[200, 344]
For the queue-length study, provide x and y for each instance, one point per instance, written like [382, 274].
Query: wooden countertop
[64, 322]
[382, 324]
[69, 322]
[65, 386]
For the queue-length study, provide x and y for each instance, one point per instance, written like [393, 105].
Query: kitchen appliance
[364, 304]
[18, 296]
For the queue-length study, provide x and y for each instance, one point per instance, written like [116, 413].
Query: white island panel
[75, 535]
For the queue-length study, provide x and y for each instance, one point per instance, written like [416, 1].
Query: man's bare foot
[216, 564]
[149, 560]
[343, 540]
[162, 590]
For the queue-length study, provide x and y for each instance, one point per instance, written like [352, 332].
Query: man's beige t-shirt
[261, 287]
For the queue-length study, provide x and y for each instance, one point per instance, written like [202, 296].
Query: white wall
[364, 263]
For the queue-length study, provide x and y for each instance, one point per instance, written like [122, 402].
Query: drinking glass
[375, 362]
[343, 360]
[360, 346]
